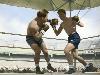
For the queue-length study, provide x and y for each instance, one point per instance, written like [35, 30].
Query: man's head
[44, 10]
[42, 14]
[61, 13]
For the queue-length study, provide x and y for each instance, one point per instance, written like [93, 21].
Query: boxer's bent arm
[36, 34]
[79, 23]
[57, 32]
[46, 28]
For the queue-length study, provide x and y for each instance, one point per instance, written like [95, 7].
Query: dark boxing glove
[53, 22]
[75, 18]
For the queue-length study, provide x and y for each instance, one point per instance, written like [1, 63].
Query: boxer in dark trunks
[35, 31]
[69, 25]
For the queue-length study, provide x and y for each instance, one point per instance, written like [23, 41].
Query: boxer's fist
[75, 18]
[53, 22]
[42, 31]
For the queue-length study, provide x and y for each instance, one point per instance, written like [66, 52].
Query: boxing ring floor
[54, 73]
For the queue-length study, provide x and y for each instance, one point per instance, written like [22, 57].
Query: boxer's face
[44, 19]
[61, 15]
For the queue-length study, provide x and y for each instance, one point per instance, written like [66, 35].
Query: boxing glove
[75, 18]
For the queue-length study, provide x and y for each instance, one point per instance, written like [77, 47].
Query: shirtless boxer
[35, 31]
[69, 25]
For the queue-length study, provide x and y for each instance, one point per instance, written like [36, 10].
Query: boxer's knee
[66, 51]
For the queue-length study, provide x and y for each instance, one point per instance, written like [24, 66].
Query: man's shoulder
[70, 18]
[33, 24]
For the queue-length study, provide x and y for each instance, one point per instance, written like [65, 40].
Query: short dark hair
[44, 10]
[61, 10]
[42, 13]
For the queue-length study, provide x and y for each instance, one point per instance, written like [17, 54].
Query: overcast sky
[15, 20]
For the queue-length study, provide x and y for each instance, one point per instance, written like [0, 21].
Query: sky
[15, 20]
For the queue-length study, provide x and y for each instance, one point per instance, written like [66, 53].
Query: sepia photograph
[49, 37]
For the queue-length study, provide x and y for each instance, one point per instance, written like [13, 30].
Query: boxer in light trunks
[69, 25]
[35, 31]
